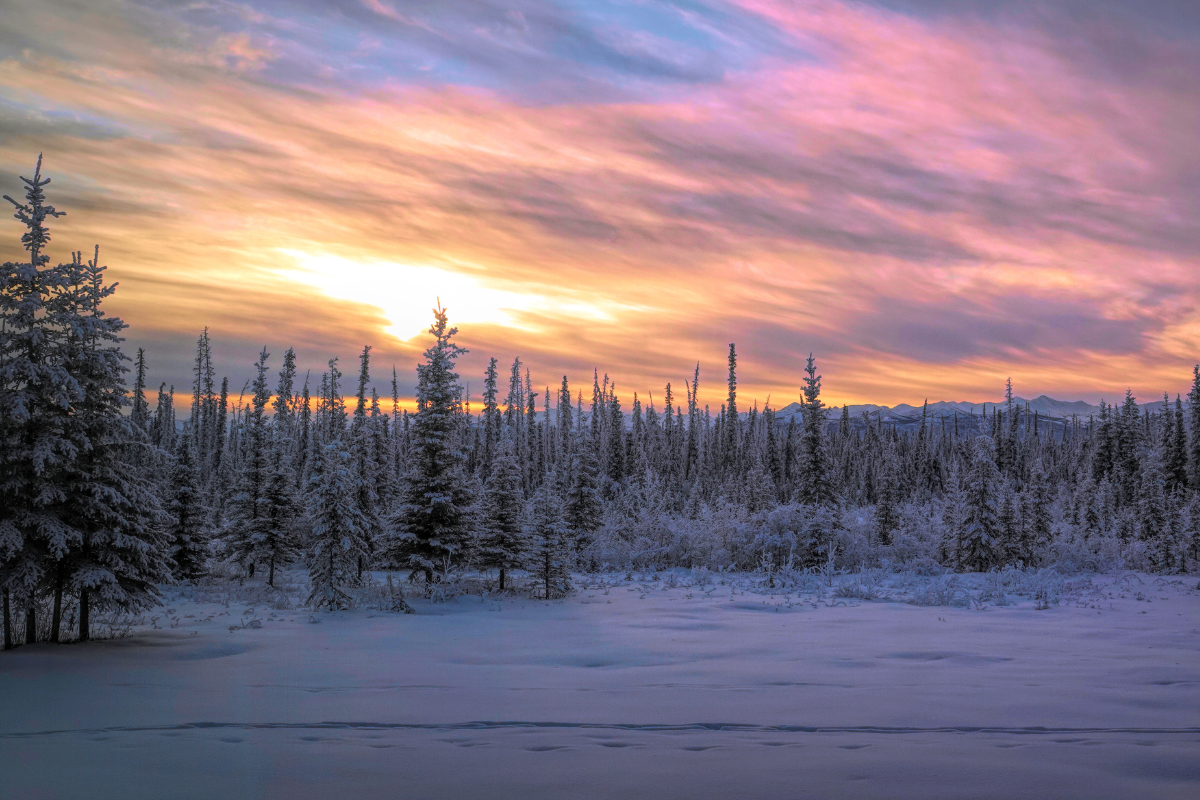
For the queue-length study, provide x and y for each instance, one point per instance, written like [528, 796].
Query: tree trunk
[251, 569]
[8, 637]
[502, 579]
[30, 623]
[85, 630]
[360, 567]
[56, 619]
[271, 576]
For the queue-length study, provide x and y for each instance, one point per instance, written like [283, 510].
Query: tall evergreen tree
[187, 526]
[36, 394]
[582, 507]
[977, 546]
[1194, 429]
[731, 423]
[277, 542]
[430, 529]
[246, 527]
[122, 556]
[1155, 527]
[813, 463]
[338, 534]
[1040, 520]
[550, 557]
[1175, 466]
[505, 545]
[887, 498]
[491, 416]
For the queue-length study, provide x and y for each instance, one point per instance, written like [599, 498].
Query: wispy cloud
[930, 196]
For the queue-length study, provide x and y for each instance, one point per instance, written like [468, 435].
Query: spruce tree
[186, 529]
[338, 538]
[1040, 519]
[75, 514]
[977, 547]
[162, 427]
[246, 522]
[123, 553]
[139, 416]
[366, 478]
[615, 456]
[1155, 526]
[1010, 542]
[1127, 457]
[504, 546]
[953, 512]
[36, 394]
[887, 498]
[550, 560]
[278, 541]
[491, 416]
[1175, 467]
[1193, 450]
[759, 490]
[563, 425]
[582, 508]
[430, 528]
[813, 463]
[732, 425]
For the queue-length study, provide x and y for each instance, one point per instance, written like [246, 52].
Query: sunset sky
[929, 195]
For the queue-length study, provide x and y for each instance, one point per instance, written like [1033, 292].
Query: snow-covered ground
[628, 689]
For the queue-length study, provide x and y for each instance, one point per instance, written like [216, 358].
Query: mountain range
[1045, 406]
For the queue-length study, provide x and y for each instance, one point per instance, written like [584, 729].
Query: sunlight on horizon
[407, 293]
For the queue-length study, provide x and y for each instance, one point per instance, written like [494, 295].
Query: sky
[929, 196]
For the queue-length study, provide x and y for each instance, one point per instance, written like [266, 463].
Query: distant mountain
[903, 414]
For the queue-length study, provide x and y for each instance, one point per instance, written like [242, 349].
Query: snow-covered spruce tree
[431, 526]
[491, 418]
[1190, 533]
[186, 527]
[338, 526]
[759, 490]
[366, 477]
[1193, 446]
[162, 427]
[814, 486]
[550, 557]
[582, 506]
[75, 516]
[887, 498]
[953, 511]
[1008, 525]
[504, 544]
[1155, 520]
[278, 543]
[123, 553]
[976, 545]
[563, 428]
[1039, 519]
[1175, 451]
[139, 415]
[36, 394]
[245, 520]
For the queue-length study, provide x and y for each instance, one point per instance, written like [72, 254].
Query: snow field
[661, 686]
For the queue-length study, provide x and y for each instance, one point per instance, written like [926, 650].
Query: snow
[626, 689]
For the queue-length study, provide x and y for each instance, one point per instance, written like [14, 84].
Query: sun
[406, 292]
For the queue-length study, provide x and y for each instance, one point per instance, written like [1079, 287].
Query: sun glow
[406, 293]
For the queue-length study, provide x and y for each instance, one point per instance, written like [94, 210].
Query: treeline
[100, 508]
